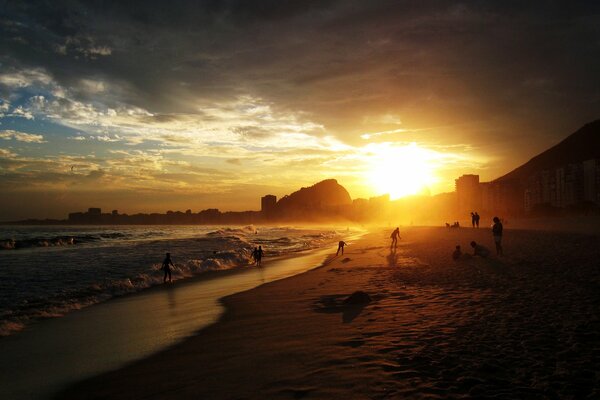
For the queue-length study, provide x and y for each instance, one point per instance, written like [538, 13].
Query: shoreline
[435, 328]
[139, 281]
[123, 325]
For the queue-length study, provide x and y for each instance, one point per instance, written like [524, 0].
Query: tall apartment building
[267, 204]
[468, 193]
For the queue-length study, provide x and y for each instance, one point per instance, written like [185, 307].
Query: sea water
[50, 271]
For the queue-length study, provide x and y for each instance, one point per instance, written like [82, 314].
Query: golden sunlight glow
[401, 170]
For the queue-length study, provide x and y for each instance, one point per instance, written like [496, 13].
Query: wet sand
[524, 326]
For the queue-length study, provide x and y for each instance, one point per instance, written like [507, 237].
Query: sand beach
[524, 326]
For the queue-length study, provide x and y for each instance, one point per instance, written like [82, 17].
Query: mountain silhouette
[323, 195]
[580, 146]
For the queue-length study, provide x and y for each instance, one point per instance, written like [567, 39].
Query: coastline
[49, 355]
[523, 326]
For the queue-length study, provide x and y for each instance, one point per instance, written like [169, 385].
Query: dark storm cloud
[515, 66]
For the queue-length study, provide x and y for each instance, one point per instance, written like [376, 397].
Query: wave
[57, 241]
[249, 229]
[71, 300]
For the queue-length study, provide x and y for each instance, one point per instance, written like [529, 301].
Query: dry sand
[525, 326]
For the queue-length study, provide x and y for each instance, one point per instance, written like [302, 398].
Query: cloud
[82, 45]
[25, 78]
[375, 134]
[91, 86]
[5, 153]
[21, 136]
[21, 112]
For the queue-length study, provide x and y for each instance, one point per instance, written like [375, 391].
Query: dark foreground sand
[522, 327]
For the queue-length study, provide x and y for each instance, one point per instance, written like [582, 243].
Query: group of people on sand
[480, 250]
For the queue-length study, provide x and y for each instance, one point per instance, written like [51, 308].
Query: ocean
[50, 271]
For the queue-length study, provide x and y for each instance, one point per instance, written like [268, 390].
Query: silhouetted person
[479, 250]
[457, 253]
[259, 254]
[473, 219]
[254, 254]
[497, 229]
[477, 217]
[395, 236]
[166, 266]
[341, 245]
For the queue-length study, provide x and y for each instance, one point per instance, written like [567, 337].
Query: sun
[400, 170]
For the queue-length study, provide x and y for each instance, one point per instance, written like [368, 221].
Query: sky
[152, 106]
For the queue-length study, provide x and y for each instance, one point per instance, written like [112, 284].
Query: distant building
[591, 181]
[76, 218]
[468, 193]
[267, 204]
[570, 185]
[94, 211]
[502, 197]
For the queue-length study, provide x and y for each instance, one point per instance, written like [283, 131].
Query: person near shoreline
[477, 218]
[479, 250]
[259, 254]
[395, 236]
[497, 229]
[341, 245]
[473, 219]
[254, 251]
[166, 266]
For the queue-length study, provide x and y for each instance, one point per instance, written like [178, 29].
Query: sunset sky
[151, 106]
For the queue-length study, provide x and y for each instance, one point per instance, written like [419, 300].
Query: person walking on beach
[395, 236]
[477, 217]
[341, 245]
[473, 219]
[479, 250]
[497, 233]
[259, 254]
[166, 266]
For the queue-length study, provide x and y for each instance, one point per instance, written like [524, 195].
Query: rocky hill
[325, 194]
[326, 200]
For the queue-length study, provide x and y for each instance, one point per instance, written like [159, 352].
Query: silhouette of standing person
[477, 217]
[473, 219]
[395, 236]
[259, 254]
[166, 266]
[341, 245]
[497, 229]
[254, 254]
